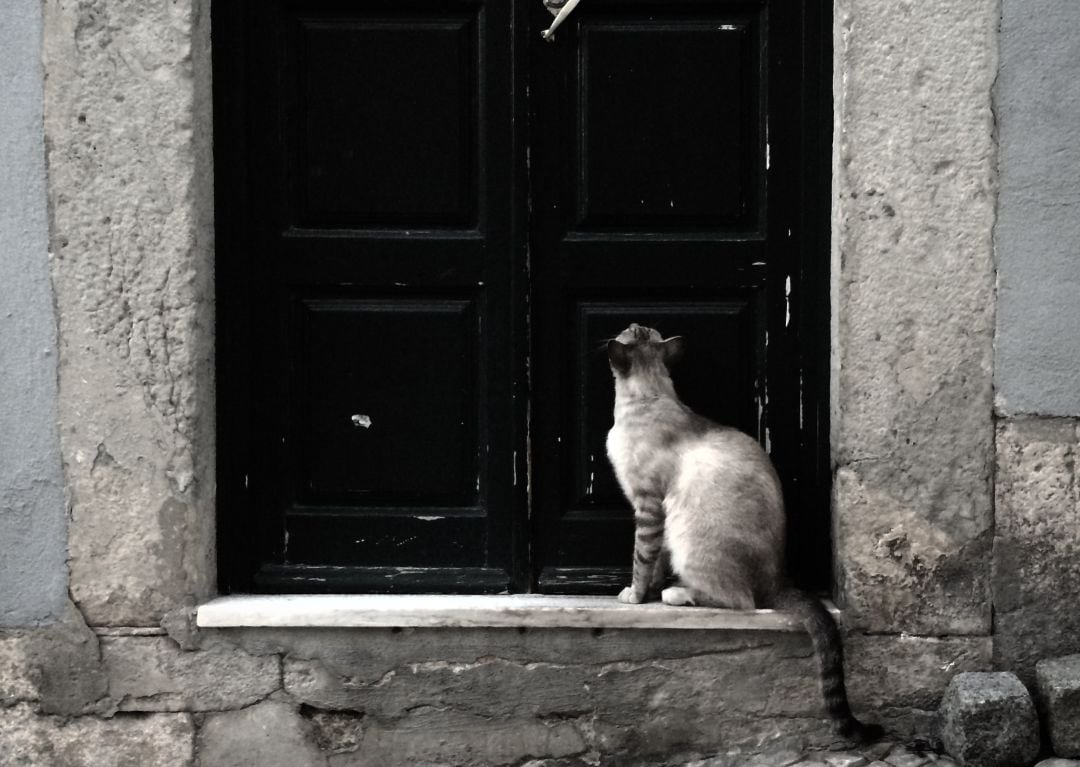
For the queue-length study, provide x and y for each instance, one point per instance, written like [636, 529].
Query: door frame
[809, 561]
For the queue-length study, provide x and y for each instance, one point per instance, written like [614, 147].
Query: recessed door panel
[668, 122]
[386, 119]
[366, 364]
[373, 540]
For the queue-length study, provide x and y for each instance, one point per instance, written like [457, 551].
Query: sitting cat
[707, 499]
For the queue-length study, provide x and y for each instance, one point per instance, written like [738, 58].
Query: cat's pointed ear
[673, 349]
[618, 355]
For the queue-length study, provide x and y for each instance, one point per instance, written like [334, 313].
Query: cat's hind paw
[676, 595]
[630, 597]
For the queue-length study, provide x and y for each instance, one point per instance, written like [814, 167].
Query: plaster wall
[1037, 236]
[33, 517]
[1037, 375]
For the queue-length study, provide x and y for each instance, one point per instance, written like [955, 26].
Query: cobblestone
[988, 720]
[1058, 689]
[881, 754]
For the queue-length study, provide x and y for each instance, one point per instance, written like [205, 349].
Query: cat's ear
[672, 349]
[618, 355]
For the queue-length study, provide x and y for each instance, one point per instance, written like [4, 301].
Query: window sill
[452, 611]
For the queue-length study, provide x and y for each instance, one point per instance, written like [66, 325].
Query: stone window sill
[453, 611]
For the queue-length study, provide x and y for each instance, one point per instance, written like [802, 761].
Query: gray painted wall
[1038, 229]
[33, 572]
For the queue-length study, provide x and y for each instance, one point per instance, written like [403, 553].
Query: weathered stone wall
[914, 192]
[123, 674]
[431, 696]
[128, 132]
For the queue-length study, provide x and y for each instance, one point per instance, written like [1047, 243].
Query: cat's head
[641, 349]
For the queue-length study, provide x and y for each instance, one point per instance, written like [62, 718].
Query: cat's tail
[825, 636]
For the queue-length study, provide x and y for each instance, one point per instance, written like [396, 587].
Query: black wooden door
[429, 220]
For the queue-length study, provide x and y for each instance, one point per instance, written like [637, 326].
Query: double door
[429, 221]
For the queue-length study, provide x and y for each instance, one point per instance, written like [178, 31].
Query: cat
[707, 500]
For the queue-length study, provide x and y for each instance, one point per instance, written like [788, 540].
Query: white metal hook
[549, 33]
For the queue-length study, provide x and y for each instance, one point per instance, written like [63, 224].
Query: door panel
[699, 163]
[379, 278]
[358, 416]
[654, 202]
[386, 117]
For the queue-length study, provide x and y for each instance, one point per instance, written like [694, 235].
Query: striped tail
[830, 651]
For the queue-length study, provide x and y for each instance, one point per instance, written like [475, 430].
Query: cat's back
[719, 466]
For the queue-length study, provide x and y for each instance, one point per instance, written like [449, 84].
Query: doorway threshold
[472, 611]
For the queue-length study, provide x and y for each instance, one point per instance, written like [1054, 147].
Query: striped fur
[706, 499]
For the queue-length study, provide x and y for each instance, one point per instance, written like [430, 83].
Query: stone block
[1058, 762]
[784, 758]
[336, 732]
[16, 679]
[908, 671]
[502, 674]
[642, 688]
[1036, 558]
[989, 720]
[27, 738]
[269, 734]
[130, 199]
[431, 737]
[914, 181]
[902, 757]
[1058, 690]
[65, 661]
[154, 674]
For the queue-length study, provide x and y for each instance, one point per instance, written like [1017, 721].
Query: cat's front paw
[676, 595]
[630, 597]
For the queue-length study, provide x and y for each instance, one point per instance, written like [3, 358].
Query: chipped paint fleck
[787, 301]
